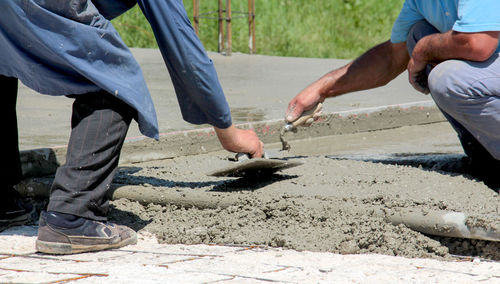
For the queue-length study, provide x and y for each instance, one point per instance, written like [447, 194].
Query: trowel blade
[274, 154]
[254, 167]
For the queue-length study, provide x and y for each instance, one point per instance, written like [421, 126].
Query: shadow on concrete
[251, 182]
[449, 164]
[26, 231]
[125, 176]
[469, 249]
[127, 218]
[40, 162]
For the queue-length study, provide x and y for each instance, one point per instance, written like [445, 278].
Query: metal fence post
[224, 18]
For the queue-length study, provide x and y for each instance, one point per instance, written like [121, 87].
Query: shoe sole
[65, 248]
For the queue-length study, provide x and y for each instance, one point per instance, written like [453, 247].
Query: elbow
[479, 46]
[482, 53]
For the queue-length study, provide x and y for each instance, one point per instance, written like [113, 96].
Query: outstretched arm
[375, 68]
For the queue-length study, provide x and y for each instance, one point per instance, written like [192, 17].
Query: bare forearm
[375, 68]
[455, 45]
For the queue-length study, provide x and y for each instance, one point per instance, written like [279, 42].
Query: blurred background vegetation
[299, 28]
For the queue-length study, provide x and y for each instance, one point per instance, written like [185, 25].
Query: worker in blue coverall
[70, 48]
[450, 49]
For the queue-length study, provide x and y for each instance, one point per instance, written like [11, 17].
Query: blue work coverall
[69, 47]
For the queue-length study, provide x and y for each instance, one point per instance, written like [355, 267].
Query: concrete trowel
[306, 119]
[243, 166]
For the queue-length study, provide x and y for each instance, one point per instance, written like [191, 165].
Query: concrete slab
[257, 87]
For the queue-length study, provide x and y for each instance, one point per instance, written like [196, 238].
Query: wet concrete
[257, 88]
[327, 204]
[337, 201]
[379, 150]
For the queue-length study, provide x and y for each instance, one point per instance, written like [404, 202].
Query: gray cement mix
[327, 204]
[370, 154]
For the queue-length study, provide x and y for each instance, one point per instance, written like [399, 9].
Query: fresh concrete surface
[257, 87]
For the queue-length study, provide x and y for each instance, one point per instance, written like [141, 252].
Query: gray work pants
[12, 173]
[99, 125]
[468, 94]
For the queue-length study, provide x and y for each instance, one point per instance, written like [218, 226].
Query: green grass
[300, 28]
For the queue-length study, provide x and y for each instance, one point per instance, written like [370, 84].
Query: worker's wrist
[224, 133]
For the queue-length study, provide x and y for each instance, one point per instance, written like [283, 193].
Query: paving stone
[151, 262]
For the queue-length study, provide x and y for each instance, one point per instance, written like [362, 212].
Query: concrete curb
[43, 162]
[40, 163]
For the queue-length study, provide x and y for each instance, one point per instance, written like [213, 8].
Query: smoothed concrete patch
[39, 162]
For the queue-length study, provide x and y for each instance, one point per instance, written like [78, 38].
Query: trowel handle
[244, 156]
[305, 116]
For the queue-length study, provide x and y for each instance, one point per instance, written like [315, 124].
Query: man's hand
[240, 141]
[417, 73]
[304, 101]
[436, 48]
[375, 68]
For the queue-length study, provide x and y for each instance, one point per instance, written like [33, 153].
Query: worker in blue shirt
[450, 50]
[70, 48]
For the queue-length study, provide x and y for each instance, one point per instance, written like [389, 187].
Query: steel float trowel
[243, 166]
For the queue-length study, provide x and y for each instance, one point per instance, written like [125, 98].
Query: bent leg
[75, 220]
[13, 211]
[100, 123]
[12, 174]
[470, 94]
[445, 91]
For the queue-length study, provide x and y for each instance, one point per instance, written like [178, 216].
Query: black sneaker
[13, 212]
[86, 235]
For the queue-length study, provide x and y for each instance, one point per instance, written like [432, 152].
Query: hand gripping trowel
[244, 166]
[305, 119]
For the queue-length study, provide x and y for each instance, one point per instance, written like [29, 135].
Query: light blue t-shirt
[444, 15]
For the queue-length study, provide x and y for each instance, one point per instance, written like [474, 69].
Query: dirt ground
[326, 204]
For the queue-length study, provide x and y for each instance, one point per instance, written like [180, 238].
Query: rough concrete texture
[343, 198]
[369, 159]
[332, 203]
[43, 161]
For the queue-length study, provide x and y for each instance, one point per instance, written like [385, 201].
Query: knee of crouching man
[443, 77]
